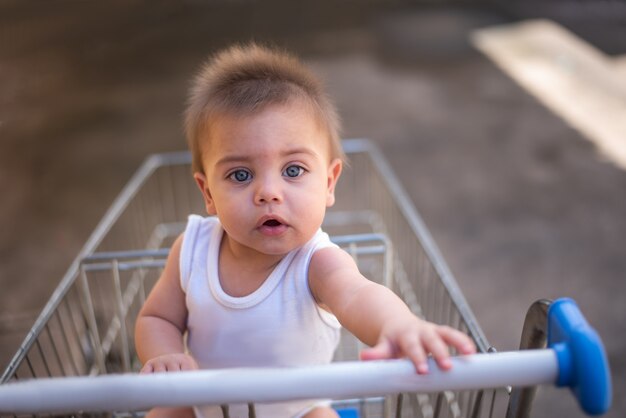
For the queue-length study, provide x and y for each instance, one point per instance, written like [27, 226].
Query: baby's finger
[159, 367]
[382, 350]
[172, 366]
[411, 347]
[147, 368]
[437, 347]
[188, 365]
[457, 339]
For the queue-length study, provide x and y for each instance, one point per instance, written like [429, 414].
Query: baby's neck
[243, 271]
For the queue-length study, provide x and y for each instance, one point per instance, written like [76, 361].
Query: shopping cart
[79, 357]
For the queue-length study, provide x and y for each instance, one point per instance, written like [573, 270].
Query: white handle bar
[343, 380]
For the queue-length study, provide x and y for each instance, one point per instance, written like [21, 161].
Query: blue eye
[240, 176]
[293, 171]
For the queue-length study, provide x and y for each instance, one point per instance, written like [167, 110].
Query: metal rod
[534, 335]
[121, 315]
[66, 342]
[225, 412]
[55, 350]
[91, 322]
[94, 240]
[419, 228]
[122, 255]
[399, 406]
[337, 380]
[43, 357]
[127, 266]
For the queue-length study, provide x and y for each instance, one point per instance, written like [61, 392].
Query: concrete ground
[521, 205]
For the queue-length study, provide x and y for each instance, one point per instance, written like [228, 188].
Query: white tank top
[279, 324]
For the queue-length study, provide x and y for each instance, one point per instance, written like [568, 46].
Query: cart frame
[52, 349]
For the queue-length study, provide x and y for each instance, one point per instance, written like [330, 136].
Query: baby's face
[269, 178]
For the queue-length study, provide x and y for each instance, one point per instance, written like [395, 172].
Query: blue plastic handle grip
[347, 412]
[583, 365]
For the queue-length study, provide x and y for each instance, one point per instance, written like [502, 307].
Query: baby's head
[265, 145]
[244, 80]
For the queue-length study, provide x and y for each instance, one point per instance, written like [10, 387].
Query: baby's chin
[278, 248]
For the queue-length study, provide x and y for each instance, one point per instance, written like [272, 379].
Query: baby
[257, 283]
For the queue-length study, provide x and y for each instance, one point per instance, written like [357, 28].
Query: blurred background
[521, 201]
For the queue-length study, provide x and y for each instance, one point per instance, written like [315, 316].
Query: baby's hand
[415, 339]
[170, 363]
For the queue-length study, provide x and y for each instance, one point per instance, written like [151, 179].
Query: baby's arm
[162, 322]
[379, 318]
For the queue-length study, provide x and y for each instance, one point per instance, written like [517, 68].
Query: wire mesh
[87, 327]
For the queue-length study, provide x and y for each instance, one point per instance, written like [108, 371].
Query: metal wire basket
[87, 326]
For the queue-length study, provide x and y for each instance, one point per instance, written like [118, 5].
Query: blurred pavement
[521, 205]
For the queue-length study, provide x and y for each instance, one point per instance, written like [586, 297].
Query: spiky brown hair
[244, 79]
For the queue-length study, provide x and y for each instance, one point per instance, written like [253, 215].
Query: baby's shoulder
[330, 259]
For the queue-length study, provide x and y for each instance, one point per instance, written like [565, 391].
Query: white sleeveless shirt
[278, 325]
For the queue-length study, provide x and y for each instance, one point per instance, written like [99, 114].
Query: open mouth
[273, 227]
[272, 223]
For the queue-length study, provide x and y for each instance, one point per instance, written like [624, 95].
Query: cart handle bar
[583, 364]
[560, 364]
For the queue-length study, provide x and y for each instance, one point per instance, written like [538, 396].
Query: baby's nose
[269, 190]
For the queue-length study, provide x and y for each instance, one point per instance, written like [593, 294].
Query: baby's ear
[206, 193]
[334, 171]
